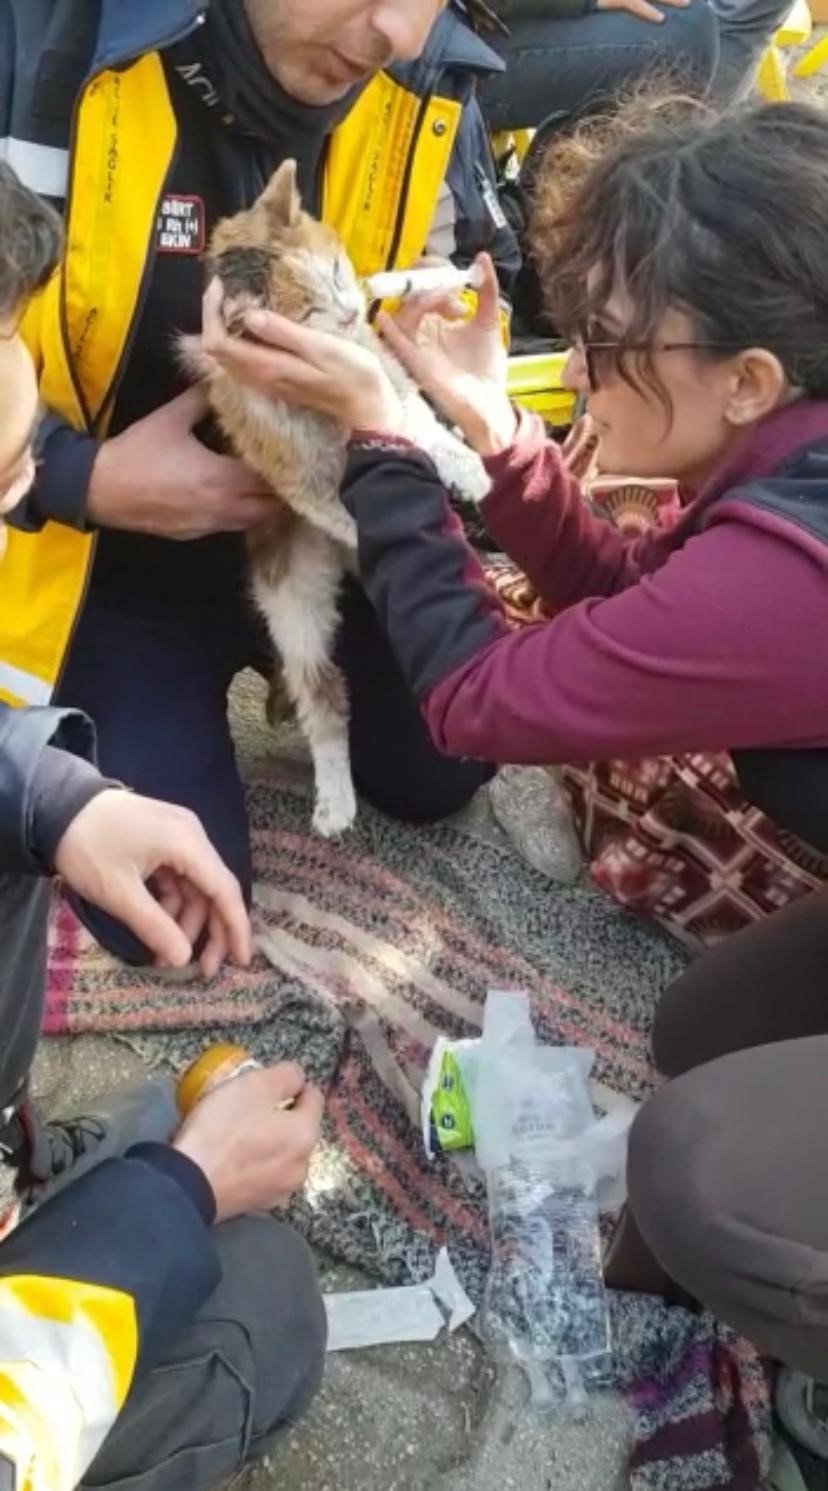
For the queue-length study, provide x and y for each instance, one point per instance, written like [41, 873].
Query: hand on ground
[152, 866]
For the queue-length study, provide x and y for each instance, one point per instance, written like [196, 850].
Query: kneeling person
[111, 1370]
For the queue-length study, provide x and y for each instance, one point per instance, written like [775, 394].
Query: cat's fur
[276, 255]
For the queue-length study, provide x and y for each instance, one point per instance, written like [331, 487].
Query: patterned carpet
[370, 948]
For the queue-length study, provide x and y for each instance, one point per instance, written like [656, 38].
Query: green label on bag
[451, 1121]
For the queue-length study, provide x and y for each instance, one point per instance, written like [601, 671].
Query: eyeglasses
[592, 351]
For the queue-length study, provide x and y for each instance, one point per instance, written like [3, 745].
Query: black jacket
[46, 777]
[99, 1232]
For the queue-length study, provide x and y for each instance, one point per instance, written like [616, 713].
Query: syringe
[396, 284]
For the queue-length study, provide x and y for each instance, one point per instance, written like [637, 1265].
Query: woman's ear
[758, 385]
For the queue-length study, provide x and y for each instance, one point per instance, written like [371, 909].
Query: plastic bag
[532, 1102]
[549, 1164]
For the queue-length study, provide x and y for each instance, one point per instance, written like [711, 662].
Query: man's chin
[322, 95]
[320, 86]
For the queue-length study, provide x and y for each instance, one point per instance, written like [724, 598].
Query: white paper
[376, 1317]
[381, 1317]
[450, 1292]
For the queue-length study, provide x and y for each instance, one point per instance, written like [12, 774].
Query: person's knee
[115, 937]
[419, 797]
[248, 1366]
[110, 934]
[688, 44]
[270, 1286]
[672, 1040]
[672, 1186]
[304, 1326]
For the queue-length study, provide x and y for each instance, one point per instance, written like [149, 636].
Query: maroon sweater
[712, 635]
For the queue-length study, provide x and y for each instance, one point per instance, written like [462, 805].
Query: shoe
[50, 1155]
[801, 1404]
[784, 1472]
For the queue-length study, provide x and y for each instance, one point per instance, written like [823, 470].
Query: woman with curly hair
[685, 257]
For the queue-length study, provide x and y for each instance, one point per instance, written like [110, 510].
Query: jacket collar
[765, 448]
[130, 28]
[451, 46]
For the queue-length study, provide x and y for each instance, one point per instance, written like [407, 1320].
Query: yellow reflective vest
[384, 169]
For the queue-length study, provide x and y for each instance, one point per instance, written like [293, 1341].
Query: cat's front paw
[475, 482]
[335, 811]
[462, 470]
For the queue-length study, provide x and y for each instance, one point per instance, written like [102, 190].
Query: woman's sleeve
[537, 514]
[692, 657]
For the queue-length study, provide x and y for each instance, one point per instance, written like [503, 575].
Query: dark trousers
[252, 1359]
[154, 678]
[727, 1164]
[567, 68]
[248, 1366]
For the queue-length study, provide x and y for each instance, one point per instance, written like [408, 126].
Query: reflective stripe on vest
[44, 168]
[17, 687]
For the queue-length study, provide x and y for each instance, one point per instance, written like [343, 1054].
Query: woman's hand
[311, 368]
[459, 364]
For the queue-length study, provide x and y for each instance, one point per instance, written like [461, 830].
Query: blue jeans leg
[745, 28]
[573, 67]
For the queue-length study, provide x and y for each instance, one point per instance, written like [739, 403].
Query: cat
[276, 255]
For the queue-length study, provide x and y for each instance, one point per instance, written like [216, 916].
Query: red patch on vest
[181, 225]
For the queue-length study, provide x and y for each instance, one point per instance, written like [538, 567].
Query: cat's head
[276, 255]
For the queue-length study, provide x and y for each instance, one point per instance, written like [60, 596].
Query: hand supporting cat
[156, 477]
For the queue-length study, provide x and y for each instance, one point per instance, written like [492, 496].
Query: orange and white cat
[275, 255]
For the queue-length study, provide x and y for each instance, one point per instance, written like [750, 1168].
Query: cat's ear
[281, 196]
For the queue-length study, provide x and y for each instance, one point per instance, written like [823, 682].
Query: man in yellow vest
[123, 581]
[151, 1332]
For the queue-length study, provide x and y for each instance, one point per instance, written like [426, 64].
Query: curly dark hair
[724, 218]
[30, 239]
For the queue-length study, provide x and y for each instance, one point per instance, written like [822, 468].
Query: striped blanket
[372, 946]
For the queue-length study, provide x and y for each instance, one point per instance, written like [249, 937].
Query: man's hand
[254, 1154]
[119, 842]
[156, 477]
[313, 369]
[642, 9]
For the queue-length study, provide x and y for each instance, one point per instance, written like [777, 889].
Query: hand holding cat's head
[299, 365]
